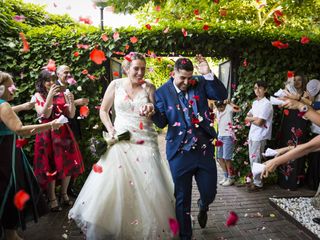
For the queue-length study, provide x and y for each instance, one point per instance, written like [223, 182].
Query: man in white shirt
[260, 117]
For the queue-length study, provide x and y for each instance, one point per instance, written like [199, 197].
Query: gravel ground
[301, 210]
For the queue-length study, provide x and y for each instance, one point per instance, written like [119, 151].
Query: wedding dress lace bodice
[128, 117]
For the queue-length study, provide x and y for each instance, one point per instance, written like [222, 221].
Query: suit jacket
[170, 112]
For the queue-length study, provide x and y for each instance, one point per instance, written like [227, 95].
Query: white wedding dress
[132, 198]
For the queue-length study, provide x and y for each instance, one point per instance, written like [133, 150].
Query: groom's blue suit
[197, 161]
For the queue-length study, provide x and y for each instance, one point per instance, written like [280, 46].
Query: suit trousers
[200, 164]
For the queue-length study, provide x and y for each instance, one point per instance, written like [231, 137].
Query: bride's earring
[2, 90]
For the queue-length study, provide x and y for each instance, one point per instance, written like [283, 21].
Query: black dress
[16, 174]
[292, 174]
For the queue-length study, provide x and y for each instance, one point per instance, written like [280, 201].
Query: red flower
[97, 56]
[278, 44]
[104, 37]
[76, 54]
[276, 20]
[115, 36]
[148, 26]
[133, 39]
[20, 143]
[205, 27]
[232, 219]
[97, 168]
[84, 71]
[116, 74]
[174, 226]
[20, 198]
[286, 112]
[196, 12]
[85, 20]
[84, 111]
[304, 40]
[91, 77]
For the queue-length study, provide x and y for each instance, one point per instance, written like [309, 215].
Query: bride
[132, 198]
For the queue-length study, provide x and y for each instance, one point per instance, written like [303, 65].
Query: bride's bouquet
[99, 146]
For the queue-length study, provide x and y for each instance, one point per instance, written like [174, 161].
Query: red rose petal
[20, 199]
[97, 168]
[97, 56]
[232, 219]
[174, 226]
[84, 111]
[21, 142]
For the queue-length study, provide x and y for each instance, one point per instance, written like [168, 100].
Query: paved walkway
[257, 218]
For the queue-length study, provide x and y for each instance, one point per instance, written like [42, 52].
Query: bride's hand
[147, 110]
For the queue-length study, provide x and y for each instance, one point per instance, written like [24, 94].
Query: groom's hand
[203, 66]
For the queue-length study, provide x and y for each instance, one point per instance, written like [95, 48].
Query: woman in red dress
[56, 153]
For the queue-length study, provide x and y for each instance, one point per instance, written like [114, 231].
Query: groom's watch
[304, 109]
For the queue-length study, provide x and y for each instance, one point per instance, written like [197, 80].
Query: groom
[182, 104]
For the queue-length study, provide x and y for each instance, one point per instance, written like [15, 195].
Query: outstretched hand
[203, 66]
[270, 167]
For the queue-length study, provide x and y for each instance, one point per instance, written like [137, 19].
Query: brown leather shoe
[254, 188]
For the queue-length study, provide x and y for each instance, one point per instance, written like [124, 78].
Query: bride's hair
[129, 58]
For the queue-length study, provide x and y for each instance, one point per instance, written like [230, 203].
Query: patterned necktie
[182, 96]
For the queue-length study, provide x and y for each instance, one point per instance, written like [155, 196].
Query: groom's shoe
[202, 216]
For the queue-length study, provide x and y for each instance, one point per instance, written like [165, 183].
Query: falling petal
[20, 198]
[20, 143]
[84, 71]
[97, 56]
[205, 27]
[140, 142]
[304, 40]
[166, 30]
[141, 125]
[97, 168]
[51, 174]
[26, 47]
[116, 74]
[157, 8]
[174, 226]
[148, 26]
[232, 219]
[84, 111]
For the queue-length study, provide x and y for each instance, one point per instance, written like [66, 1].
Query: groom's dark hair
[183, 64]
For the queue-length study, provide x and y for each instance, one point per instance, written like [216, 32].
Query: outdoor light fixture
[101, 4]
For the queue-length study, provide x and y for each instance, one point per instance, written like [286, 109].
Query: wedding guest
[128, 194]
[16, 176]
[224, 113]
[56, 153]
[293, 130]
[260, 119]
[289, 154]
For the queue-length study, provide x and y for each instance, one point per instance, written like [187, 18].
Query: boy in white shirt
[224, 113]
[260, 116]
